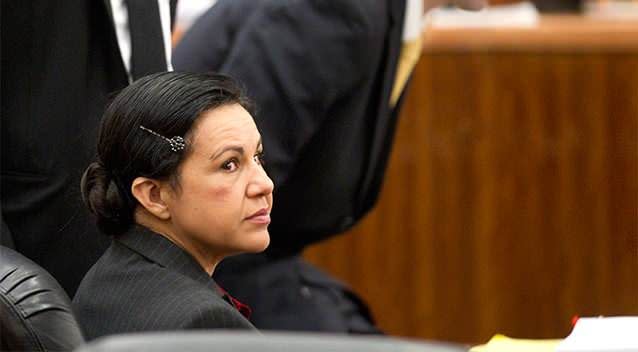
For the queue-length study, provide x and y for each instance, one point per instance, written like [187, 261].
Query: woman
[178, 183]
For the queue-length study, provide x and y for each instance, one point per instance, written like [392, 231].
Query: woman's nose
[261, 184]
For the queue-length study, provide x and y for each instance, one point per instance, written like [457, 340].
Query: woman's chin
[263, 245]
[257, 242]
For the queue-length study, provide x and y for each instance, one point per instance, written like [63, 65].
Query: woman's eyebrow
[237, 148]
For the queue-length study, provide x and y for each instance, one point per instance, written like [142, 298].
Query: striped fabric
[144, 282]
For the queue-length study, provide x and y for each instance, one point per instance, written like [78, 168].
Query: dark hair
[167, 103]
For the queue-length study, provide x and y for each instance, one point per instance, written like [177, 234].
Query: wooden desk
[511, 200]
[557, 33]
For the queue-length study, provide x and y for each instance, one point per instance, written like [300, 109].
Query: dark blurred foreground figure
[61, 59]
[179, 185]
[326, 76]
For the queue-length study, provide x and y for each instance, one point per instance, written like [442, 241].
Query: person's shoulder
[115, 259]
[361, 16]
[238, 8]
[103, 266]
[170, 290]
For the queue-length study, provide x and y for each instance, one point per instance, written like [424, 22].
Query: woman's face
[223, 202]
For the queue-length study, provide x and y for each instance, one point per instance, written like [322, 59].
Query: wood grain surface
[511, 199]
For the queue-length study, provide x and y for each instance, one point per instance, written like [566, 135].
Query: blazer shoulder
[126, 293]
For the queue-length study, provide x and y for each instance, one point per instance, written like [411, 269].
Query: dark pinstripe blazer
[144, 282]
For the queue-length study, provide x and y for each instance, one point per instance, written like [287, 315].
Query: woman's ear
[148, 193]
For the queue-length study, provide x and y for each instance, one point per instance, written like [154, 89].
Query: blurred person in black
[60, 61]
[327, 77]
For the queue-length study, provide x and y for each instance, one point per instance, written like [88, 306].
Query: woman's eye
[259, 158]
[231, 165]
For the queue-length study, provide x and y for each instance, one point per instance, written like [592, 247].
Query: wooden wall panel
[511, 200]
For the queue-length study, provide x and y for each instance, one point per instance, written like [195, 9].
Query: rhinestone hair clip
[177, 143]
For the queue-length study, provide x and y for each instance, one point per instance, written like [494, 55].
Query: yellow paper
[502, 343]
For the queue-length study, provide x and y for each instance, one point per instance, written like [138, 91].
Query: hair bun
[102, 196]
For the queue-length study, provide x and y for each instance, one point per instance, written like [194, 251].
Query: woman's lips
[261, 217]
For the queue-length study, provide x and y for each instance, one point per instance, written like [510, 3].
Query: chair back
[35, 312]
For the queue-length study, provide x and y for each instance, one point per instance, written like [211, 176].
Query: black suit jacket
[144, 282]
[321, 73]
[60, 64]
